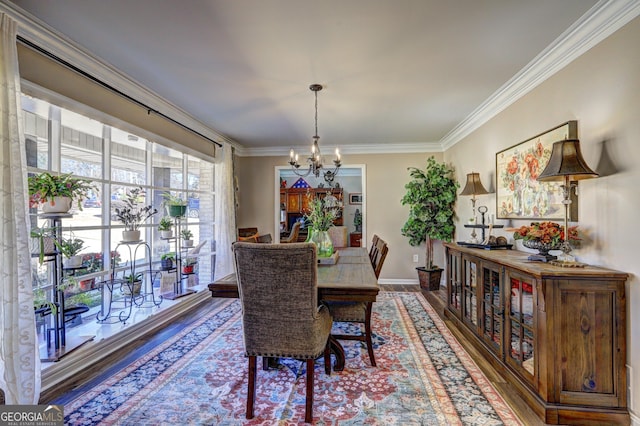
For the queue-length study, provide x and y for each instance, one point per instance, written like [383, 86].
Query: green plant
[189, 261]
[40, 300]
[41, 234]
[133, 213]
[173, 200]
[132, 278]
[431, 196]
[320, 214]
[186, 234]
[169, 255]
[69, 246]
[43, 187]
[165, 224]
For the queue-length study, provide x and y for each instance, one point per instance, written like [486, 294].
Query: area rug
[424, 377]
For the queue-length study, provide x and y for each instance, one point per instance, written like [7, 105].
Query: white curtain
[19, 356]
[225, 214]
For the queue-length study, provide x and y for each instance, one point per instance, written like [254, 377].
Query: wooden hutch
[557, 334]
[294, 203]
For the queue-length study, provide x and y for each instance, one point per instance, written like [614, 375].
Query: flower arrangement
[43, 187]
[321, 214]
[132, 214]
[549, 233]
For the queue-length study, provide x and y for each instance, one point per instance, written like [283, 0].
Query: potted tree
[187, 237]
[70, 247]
[165, 227]
[132, 214]
[431, 196]
[57, 193]
[176, 206]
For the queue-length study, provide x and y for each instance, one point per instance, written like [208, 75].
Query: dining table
[350, 279]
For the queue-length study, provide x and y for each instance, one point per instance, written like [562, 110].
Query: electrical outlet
[415, 258]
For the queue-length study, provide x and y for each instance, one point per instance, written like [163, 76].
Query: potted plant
[132, 284]
[165, 227]
[132, 214]
[187, 237]
[189, 264]
[176, 206]
[70, 247]
[43, 242]
[166, 260]
[57, 193]
[431, 196]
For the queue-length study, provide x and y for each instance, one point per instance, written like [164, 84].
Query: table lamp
[566, 163]
[473, 187]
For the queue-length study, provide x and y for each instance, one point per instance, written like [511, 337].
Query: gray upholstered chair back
[278, 291]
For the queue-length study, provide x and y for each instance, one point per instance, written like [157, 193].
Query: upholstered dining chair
[280, 313]
[293, 235]
[360, 312]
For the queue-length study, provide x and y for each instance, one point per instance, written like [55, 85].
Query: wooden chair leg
[308, 411]
[251, 388]
[327, 358]
[367, 334]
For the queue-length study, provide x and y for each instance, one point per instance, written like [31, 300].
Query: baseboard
[94, 351]
[391, 281]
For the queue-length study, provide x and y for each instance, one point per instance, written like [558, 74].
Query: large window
[115, 160]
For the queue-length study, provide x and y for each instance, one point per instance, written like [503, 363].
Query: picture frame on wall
[355, 198]
[519, 195]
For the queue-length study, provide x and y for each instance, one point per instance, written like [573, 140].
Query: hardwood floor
[103, 369]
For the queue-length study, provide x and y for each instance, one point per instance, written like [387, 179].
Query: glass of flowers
[56, 193]
[544, 236]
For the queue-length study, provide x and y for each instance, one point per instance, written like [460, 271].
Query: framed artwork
[355, 198]
[519, 195]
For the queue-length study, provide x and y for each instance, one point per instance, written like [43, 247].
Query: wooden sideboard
[558, 335]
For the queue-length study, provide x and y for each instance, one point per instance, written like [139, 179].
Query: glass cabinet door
[454, 280]
[469, 288]
[520, 330]
[492, 306]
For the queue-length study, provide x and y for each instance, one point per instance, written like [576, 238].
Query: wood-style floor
[103, 369]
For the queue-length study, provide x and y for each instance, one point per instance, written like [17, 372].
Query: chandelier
[315, 158]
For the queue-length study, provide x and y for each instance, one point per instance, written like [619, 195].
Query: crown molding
[602, 20]
[387, 148]
[40, 33]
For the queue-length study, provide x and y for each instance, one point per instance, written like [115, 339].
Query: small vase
[58, 205]
[323, 243]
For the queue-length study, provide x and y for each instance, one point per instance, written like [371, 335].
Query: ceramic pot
[177, 211]
[130, 236]
[58, 205]
[187, 243]
[166, 234]
[73, 262]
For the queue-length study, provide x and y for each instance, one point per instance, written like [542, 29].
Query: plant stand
[178, 290]
[61, 345]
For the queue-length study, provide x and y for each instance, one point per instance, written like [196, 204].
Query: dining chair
[372, 250]
[280, 313]
[339, 236]
[360, 312]
[293, 235]
[247, 232]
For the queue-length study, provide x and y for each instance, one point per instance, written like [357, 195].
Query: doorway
[352, 180]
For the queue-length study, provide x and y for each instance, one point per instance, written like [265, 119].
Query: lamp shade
[566, 160]
[473, 186]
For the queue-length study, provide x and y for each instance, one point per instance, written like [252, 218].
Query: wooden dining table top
[351, 278]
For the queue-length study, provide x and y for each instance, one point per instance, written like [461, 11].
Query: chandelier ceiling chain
[315, 159]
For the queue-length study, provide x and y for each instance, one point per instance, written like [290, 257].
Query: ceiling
[396, 74]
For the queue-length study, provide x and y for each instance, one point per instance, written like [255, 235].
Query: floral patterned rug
[424, 377]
